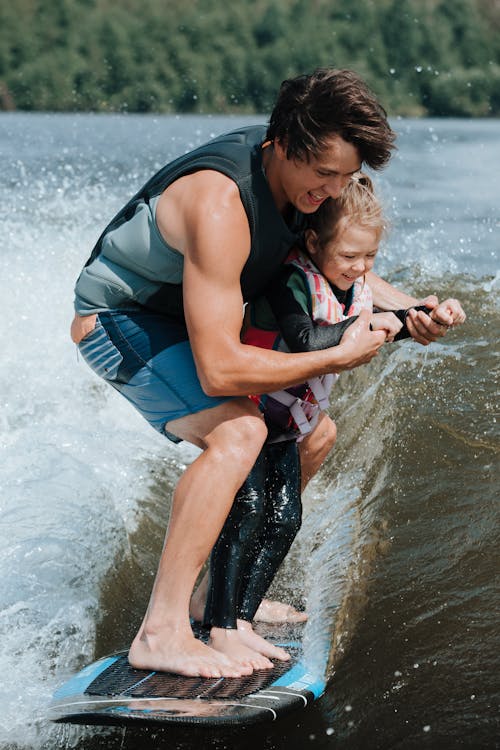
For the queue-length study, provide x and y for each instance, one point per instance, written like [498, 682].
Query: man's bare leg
[231, 436]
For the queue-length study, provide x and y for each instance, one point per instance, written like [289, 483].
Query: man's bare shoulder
[200, 201]
[208, 179]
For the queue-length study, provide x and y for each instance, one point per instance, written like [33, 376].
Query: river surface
[398, 558]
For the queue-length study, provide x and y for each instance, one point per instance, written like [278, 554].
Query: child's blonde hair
[357, 204]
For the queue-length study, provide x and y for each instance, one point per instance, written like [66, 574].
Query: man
[159, 312]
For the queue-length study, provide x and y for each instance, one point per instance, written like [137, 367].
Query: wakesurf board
[110, 691]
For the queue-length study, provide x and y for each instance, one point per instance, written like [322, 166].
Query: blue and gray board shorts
[147, 358]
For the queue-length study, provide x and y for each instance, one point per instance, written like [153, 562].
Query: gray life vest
[131, 265]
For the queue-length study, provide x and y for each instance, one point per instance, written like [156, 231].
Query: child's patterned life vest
[296, 410]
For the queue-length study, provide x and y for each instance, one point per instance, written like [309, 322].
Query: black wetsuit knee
[233, 548]
[283, 490]
[282, 521]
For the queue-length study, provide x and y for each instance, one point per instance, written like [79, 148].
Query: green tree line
[422, 57]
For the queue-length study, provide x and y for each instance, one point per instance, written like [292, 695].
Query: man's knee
[239, 439]
[248, 431]
[229, 424]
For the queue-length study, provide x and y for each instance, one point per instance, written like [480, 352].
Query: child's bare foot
[271, 611]
[179, 652]
[228, 641]
[254, 641]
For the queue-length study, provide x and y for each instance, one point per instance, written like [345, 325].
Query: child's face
[348, 256]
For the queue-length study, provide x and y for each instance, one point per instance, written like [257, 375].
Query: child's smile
[348, 256]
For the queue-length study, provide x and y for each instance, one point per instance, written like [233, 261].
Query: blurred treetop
[422, 57]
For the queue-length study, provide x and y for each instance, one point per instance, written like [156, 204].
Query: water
[398, 556]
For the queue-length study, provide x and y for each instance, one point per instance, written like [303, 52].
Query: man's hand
[428, 328]
[359, 344]
[82, 326]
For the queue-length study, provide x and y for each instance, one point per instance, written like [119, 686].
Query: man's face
[308, 184]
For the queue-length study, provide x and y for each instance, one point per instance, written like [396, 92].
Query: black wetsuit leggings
[259, 530]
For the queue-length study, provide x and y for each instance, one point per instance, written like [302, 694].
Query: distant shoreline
[422, 59]
[229, 115]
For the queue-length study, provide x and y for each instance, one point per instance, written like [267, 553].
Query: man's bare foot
[229, 641]
[254, 641]
[271, 611]
[179, 652]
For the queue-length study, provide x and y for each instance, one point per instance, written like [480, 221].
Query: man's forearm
[251, 369]
[229, 368]
[386, 296]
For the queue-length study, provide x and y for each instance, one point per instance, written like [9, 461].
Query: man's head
[310, 109]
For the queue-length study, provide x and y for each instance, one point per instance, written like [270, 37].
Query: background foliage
[422, 57]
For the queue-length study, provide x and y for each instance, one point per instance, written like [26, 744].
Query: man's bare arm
[386, 296]
[216, 247]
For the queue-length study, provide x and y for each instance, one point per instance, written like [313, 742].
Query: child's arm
[296, 326]
[302, 334]
[388, 322]
[421, 326]
[289, 302]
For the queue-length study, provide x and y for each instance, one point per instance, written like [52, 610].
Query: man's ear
[311, 241]
[280, 148]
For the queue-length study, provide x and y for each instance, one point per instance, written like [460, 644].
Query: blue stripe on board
[298, 678]
[80, 682]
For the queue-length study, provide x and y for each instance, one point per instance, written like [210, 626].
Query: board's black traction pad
[122, 679]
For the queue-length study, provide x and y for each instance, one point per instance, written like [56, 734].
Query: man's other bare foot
[179, 652]
[229, 641]
[250, 638]
[271, 611]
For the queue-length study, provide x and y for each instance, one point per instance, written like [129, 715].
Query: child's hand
[448, 313]
[386, 321]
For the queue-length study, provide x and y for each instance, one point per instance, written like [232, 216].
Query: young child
[319, 293]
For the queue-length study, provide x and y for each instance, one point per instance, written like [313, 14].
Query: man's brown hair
[312, 108]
